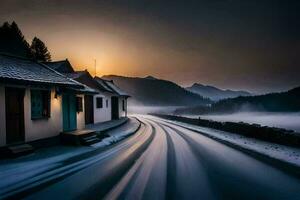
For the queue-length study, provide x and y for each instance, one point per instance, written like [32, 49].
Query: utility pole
[95, 67]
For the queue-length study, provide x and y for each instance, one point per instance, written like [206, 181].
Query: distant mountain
[274, 102]
[151, 91]
[214, 93]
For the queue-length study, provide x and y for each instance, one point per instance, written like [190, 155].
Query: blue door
[69, 112]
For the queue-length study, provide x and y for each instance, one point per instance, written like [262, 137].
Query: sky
[238, 44]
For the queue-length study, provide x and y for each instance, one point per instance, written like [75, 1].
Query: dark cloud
[251, 43]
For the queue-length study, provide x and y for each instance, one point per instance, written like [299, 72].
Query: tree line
[12, 41]
[274, 102]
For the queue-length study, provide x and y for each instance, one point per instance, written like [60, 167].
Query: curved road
[166, 161]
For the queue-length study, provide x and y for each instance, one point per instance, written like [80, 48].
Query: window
[40, 104]
[99, 102]
[106, 103]
[123, 105]
[79, 107]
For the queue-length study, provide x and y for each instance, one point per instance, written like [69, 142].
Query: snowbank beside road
[118, 134]
[282, 153]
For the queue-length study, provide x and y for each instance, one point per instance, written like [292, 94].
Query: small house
[109, 103]
[37, 102]
[97, 106]
[118, 98]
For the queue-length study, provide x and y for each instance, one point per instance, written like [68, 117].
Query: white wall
[42, 128]
[122, 113]
[38, 128]
[2, 117]
[80, 116]
[102, 114]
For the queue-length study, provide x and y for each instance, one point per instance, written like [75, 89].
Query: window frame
[79, 104]
[44, 100]
[98, 104]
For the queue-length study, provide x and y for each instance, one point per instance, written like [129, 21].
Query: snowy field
[281, 120]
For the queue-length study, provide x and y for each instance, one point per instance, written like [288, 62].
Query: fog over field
[289, 121]
[152, 109]
[282, 120]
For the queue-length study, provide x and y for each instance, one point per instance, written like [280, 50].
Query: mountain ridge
[152, 91]
[215, 93]
[287, 101]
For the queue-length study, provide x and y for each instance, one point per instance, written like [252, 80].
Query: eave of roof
[25, 71]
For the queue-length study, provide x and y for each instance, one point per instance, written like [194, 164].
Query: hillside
[214, 93]
[155, 92]
[274, 102]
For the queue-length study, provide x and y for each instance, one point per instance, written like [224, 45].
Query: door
[14, 105]
[114, 108]
[69, 112]
[89, 109]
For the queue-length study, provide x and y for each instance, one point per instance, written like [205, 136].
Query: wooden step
[90, 140]
[19, 150]
[80, 137]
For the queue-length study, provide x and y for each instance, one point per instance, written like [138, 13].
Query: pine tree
[39, 50]
[12, 41]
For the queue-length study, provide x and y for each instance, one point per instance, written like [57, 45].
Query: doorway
[69, 112]
[114, 108]
[14, 105]
[89, 109]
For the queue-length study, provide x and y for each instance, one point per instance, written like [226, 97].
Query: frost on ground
[289, 121]
[287, 154]
[19, 169]
[119, 134]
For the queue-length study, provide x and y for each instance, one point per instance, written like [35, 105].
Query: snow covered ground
[16, 170]
[284, 153]
[289, 121]
[119, 133]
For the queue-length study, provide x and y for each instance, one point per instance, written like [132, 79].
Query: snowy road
[166, 161]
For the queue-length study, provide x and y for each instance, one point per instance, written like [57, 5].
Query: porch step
[19, 150]
[80, 137]
[92, 139]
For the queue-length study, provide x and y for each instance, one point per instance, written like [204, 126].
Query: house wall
[102, 114]
[122, 113]
[2, 117]
[38, 128]
[80, 115]
[42, 128]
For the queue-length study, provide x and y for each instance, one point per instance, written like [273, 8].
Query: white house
[118, 98]
[109, 103]
[37, 102]
[97, 106]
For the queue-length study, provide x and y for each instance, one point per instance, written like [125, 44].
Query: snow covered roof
[109, 85]
[24, 70]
